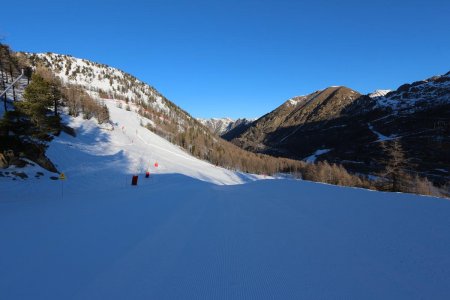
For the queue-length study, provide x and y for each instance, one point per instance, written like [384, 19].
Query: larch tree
[395, 164]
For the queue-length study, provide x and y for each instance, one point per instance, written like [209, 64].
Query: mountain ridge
[222, 126]
[353, 127]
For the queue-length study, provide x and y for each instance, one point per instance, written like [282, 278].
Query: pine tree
[39, 95]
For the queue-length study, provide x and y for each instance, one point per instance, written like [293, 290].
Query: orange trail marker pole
[62, 177]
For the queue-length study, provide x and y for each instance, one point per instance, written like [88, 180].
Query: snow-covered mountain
[103, 80]
[379, 93]
[217, 125]
[221, 126]
[417, 96]
[295, 100]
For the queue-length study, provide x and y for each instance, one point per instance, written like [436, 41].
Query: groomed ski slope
[127, 148]
[192, 231]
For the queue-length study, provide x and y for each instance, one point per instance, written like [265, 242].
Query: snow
[381, 137]
[128, 149]
[379, 93]
[93, 76]
[173, 237]
[217, 125]
[221, 126]
[418, 96]
[312, 158]
[196, 231]
[296, 100]
[19, 89]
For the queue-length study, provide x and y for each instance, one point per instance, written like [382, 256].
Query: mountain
[106, 82]
[236, 128]
[92, 90]
[379, 93]
[108, 85]
[217, 125]
[275, 129]
[340, 125]
[222, 126]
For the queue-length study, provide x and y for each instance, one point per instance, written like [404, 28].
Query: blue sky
[242, 58]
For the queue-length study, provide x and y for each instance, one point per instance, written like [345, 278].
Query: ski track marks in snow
[186, 239]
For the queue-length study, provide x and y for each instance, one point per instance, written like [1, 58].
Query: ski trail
[168, 151]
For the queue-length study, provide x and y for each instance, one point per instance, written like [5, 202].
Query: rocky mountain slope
[303, 112]
[340, 125]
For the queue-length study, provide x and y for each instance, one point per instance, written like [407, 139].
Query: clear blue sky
[242, 58]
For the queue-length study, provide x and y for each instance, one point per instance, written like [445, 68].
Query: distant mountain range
[222, 126]
[340, 125]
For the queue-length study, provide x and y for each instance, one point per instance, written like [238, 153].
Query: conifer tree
[38, 97]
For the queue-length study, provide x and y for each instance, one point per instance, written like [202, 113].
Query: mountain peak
[221, 126]
[295, 100]
[379, 93]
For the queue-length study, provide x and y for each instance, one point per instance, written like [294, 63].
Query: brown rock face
[280, 125]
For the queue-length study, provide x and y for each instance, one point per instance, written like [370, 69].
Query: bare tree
[396, 163]
[3, 83]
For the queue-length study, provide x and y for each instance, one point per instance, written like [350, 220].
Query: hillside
[348, 128]
[105, 156]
